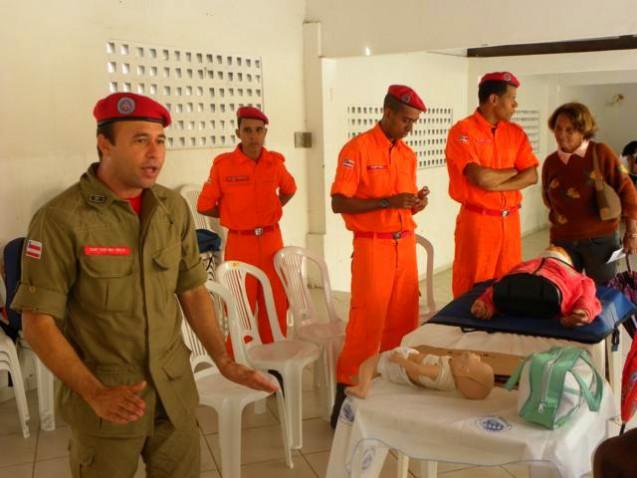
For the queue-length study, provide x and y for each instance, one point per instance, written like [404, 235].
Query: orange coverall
[384, 300]
[246, 192]
[487, 237]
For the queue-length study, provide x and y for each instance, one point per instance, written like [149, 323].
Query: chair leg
[293, 379]
[45, 396]
[403, 465]
[260, 406]
[428, 469]
[285, 428]
[8, 350]
[230, 439]
[331, 353]
[317, 374]
[326, 389]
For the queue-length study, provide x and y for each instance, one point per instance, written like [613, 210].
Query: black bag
[527, 295]
[208, 241]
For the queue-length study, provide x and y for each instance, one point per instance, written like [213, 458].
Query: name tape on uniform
[107, 250]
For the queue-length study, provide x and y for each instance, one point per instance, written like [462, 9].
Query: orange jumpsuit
[246, 192]
[488, 242]
[384, 300]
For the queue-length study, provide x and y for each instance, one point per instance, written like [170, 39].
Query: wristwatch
[384, 203]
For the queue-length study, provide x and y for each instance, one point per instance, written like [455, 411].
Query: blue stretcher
[616, 308]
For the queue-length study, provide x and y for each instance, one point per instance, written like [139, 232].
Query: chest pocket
[166, 262]
[106, 283]
[238, 182]
[379, 178]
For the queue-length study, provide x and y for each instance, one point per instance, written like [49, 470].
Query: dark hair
[108, 131]
[392, 103]
[630, 149]
[580, 116]
[491, 87]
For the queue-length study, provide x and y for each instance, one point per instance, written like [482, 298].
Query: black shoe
[338, 402]
[279, 379]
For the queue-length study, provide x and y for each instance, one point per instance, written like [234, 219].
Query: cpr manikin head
[558, 253]
[474, 378]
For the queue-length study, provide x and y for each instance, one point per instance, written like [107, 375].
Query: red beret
[251, 112]
[501, 76]
[130, 107]
[407, 96]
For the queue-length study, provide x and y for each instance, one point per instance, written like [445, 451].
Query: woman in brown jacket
[568, 179]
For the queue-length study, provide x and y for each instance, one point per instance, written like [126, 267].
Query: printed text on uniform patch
[107, 250]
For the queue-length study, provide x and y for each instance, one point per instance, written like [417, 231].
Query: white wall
[441, 81]
[617, 122]
[418, 25]
[54, 69]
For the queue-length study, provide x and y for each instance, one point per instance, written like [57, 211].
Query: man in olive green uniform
[104, 266]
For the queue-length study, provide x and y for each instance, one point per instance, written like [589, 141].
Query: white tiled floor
[44, 454]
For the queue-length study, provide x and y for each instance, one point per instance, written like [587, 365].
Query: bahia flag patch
[33, 249]
[348, 163]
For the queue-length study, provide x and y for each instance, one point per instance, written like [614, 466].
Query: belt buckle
[258, 231]
[397, 235]
[505, 213]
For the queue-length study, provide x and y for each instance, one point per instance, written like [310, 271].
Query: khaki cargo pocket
[105, 282]
[177, 368]
[82, 458]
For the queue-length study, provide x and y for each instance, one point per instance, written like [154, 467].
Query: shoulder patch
[33, 249]
[348, 163]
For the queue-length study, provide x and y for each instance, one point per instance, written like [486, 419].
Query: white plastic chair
[190, 193]
[428, 309]
[9, 362]
[226, 397]
[290, 264]
[287, 356]
[44, 386]
[44, 378]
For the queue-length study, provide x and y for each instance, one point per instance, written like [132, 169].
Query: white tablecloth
[442, 426]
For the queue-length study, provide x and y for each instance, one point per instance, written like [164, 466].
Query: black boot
[338, 402]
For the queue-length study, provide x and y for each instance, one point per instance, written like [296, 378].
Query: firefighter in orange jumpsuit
[489, 160]
[247, 190]
[375, 191]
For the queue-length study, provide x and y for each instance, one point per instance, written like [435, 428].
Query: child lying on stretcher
[545, 287]
[463, 371]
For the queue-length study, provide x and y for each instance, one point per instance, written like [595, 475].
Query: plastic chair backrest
[233, 275]
[290, 264]
[226, 315]
[199, 356]
[428, 276]
[12, 256]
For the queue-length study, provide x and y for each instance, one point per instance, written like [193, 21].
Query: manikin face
[252, 134]
[398, 124]
[134, 161]
[568, 138]
[504, 106]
